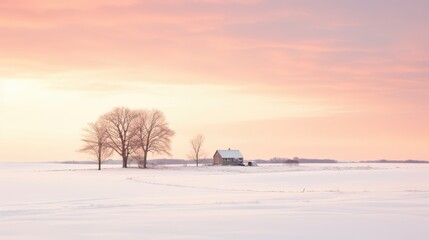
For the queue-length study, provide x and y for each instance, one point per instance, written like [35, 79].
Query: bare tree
[120, 132]
[95, 142]
[152, 133]
[197, 152]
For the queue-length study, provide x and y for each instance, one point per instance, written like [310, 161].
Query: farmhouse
[227, 157]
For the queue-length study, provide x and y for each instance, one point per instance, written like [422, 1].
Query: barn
[228, 157]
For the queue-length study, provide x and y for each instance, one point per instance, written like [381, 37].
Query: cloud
[354, 49]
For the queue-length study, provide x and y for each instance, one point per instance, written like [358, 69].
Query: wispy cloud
[336, 48]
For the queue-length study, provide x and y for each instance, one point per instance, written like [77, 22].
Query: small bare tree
[95, 142]
[152, 133]
[120, 131]
[196, 151]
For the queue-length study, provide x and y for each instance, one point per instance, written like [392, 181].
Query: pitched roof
[230, 153]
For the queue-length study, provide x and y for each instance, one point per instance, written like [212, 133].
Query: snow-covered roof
[230, 153]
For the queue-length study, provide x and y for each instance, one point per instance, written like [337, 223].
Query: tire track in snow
[267, 191]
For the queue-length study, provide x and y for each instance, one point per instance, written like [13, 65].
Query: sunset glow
[346, 80]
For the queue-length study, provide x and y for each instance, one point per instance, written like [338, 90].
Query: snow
[309, 201]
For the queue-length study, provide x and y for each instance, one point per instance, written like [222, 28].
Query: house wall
[232, 161]
[217, 159]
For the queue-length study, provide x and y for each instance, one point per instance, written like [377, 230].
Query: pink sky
[347, 80]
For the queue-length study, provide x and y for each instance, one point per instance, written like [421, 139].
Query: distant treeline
[258, 161]
[295, 159]
[154, 161]
[395, 161]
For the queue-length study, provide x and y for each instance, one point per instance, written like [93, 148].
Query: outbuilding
[228, 157]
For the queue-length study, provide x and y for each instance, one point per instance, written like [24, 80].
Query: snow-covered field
[313, 201]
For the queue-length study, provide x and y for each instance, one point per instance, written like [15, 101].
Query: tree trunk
[99, 157]
[144, 159]
[124, 161]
